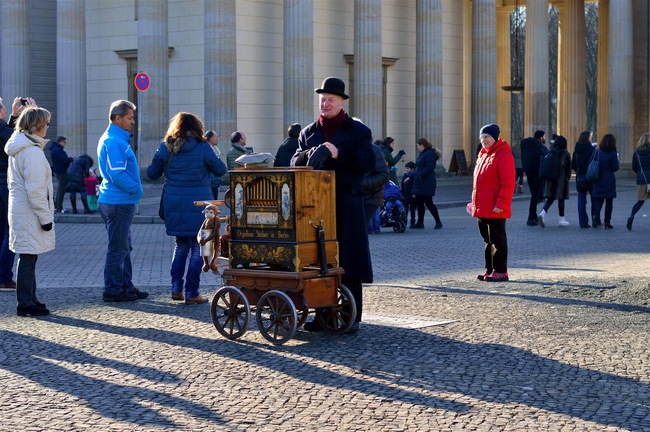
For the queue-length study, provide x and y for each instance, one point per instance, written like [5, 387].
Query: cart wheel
[276, 317]
[339, 318]
[230, 312]
[402, 226]
[302, 315]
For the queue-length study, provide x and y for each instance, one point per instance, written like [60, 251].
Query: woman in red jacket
[493, 187]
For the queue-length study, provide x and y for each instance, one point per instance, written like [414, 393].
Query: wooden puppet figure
[208, 238]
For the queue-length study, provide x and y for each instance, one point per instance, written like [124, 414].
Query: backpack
[549, 166]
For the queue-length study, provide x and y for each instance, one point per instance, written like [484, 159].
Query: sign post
[142, 83]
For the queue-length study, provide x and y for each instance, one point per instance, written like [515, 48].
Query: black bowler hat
[333, 85]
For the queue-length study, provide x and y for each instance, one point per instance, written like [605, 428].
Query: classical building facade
[414, 68]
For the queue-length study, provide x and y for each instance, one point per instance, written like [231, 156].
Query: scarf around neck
[330, 125]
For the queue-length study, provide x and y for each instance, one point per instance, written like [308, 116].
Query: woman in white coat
[31, 210]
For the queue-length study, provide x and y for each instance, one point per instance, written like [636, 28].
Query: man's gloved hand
[401, 152]
[319, 156]
[47, 227]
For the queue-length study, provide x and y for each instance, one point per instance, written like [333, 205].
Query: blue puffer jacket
[605, 186]
[641, 165]
[188, 180]
[425, 173]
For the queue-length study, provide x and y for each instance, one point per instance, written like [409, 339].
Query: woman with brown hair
[424, 186]
[605, 187]
[188, 162]
[641, 166]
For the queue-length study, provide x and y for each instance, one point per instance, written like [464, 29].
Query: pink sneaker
[497, 277]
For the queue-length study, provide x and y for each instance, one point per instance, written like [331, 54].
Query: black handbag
[161, 207]
[593, 169]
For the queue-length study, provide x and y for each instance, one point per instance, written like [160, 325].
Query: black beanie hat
[492, 130]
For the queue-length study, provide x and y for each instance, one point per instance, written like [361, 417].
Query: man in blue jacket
[119, 193]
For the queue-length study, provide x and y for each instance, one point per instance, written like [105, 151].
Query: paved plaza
[563, 346]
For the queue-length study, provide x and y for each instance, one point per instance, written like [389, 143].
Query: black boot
[73, 203]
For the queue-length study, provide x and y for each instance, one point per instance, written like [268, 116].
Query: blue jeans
[117, 268]
[373, 224]
[391, 204]
[186, 246]
[583, 216]
[6, 255]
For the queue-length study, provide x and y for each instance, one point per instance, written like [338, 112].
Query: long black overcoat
[356, 157]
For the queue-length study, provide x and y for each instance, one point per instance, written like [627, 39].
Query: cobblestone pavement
[563, 346]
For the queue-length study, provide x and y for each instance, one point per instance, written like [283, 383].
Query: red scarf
[330, 125]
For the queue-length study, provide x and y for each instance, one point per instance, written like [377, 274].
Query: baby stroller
[392, 212]
[397, 219]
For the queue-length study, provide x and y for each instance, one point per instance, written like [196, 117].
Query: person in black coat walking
[557, 187]
[580, 161]
[373, 189]
[77, 172]
[532, 150]
[424, 187]
[341, 143]
[641, 166]
[605, 186]
[60, 164]
[288, 148]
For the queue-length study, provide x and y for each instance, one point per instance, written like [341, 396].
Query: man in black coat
[60, 164]
[532, 150]
[341, 143]
[288, 148]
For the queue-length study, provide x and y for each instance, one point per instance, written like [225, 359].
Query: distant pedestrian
[519, 171]
[407, 191]
[119, 193]
[288, 148]
[237, 148]
[387, 146]
[77, 172]
[31, 219]
[493, 187]
[373, 190]
[581, 157]
[424, 187]
[215, 183]
[532, 150]
[60, 164]
[641, 166]
[605, 186]
[557, 187]
[91, 183]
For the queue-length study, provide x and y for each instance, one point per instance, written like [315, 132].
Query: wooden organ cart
[283, 255]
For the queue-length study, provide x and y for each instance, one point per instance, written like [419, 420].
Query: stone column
[504, 98]
[641, 73]
[153, 104]
[368, 73]
[536, 101]
[71, 74]
[298, 62]
[428, 71]
[220, 67]
[15, 50]
[484, 67]
[572, 102]
[602, 104]
[620, 80]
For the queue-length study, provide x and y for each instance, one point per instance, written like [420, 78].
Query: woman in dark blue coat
[424, 186]
[605, 186]
[579, 163]
[192, 165]
[641, 166]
